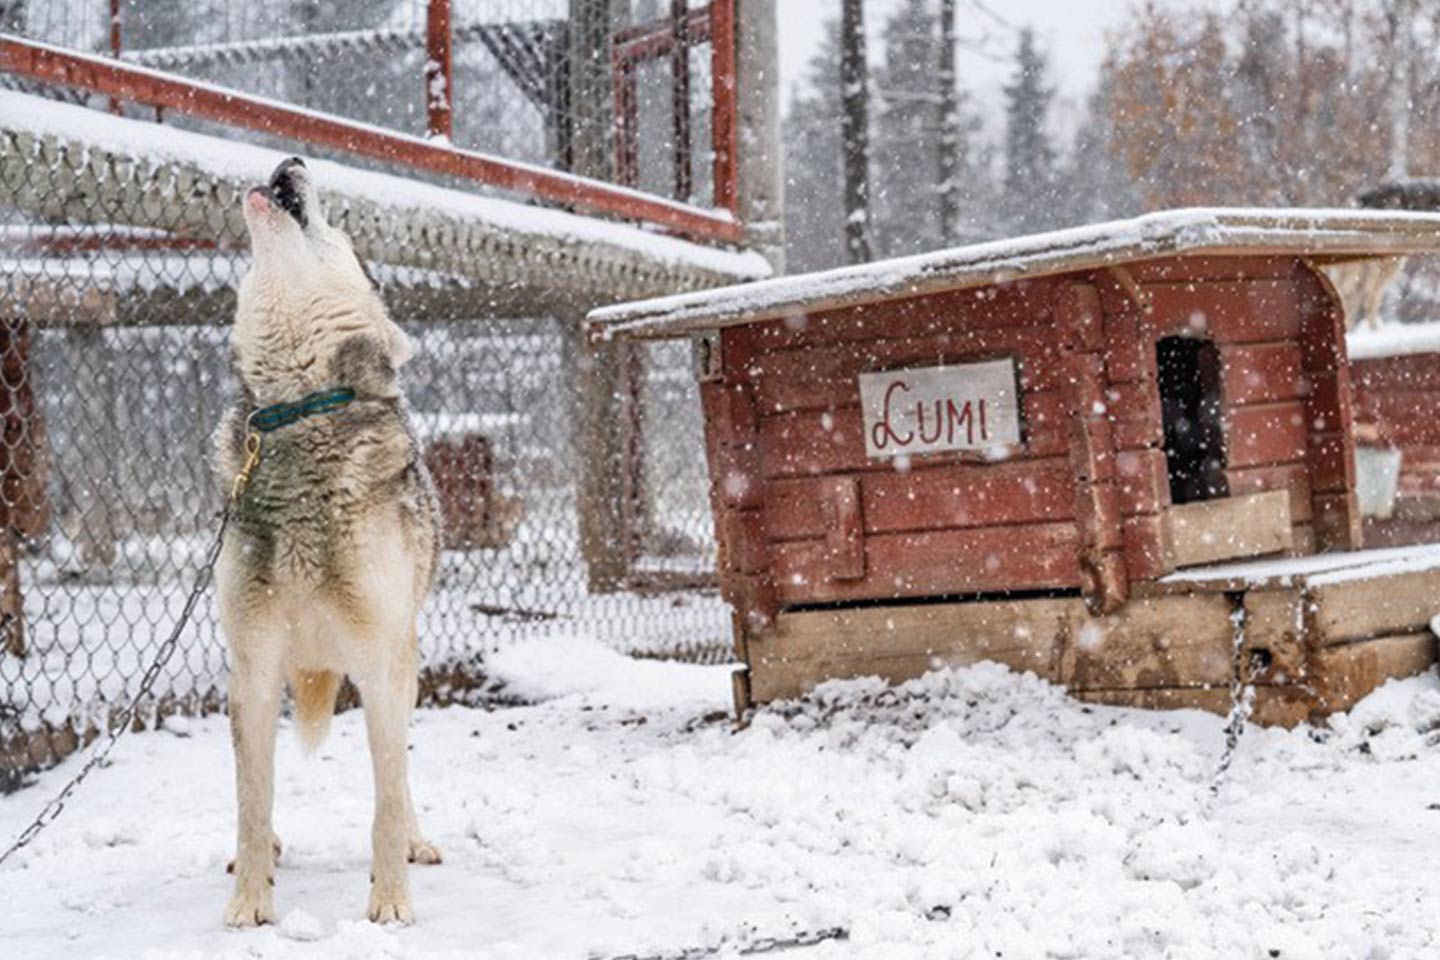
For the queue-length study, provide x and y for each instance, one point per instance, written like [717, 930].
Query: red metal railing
[439, 72]
[164, 91]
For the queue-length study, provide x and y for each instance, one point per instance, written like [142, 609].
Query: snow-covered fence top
[1331, 234]
[517, 259]
[1395, 340]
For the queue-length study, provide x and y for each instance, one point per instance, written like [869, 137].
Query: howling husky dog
[333, 543]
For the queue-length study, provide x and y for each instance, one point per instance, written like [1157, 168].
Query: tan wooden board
[1281, 706]
[807, 648]
[1055, 638]
[1151, 642]
[1208, 531]
[1282, 572]
[1275, 642]
[1360, 608]
[1345, 674]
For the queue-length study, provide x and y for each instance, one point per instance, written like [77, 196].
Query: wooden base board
[1054, 638]
[1253, 525]
[1271, 707]
[1305, 647]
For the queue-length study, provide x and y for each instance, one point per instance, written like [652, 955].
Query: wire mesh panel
[115, 368]
[512, 87]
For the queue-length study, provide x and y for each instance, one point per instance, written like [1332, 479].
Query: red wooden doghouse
[1052, 452]
[1396, 377]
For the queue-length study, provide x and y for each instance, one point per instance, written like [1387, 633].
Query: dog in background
[334, 542]
[1362, 284]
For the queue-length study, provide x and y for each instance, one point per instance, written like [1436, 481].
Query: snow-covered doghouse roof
[1328, 234]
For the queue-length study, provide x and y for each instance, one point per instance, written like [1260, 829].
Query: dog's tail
[314, 692]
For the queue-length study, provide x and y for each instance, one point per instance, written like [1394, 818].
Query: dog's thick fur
[333, 545]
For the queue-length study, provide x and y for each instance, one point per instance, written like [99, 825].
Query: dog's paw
[250, 909]
[390, 906]
[424, 852]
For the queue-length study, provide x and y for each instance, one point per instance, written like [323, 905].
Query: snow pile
[970, 813]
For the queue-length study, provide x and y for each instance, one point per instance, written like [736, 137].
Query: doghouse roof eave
[1338, 233]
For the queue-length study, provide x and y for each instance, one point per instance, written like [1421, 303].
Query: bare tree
[855, 129]
[1399, 47]
[949, 101]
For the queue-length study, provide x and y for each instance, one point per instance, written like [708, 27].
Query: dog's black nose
[282, 172]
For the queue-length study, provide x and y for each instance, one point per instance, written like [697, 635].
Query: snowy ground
[973, 813]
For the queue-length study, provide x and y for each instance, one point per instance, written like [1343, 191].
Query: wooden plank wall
[1082, 502]
[839, 526]
[1261, 313]
[1397, 405]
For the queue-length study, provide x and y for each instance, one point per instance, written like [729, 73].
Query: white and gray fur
[333, 546]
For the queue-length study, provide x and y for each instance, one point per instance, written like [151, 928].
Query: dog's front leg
[387, 716]
[255, 688]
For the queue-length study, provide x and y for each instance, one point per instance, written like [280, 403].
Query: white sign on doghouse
[968, 406]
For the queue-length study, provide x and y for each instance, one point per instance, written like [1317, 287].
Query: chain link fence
[515, 66]
[116, 291]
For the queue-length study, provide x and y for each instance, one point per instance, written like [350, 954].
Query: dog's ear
[397, 343]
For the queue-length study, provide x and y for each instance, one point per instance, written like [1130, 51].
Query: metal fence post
[439, 77]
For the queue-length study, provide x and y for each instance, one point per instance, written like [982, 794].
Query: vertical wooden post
[1331, 455]
[724, 92]
[1079, 319]
[732, 451]
[759, 174]
[439, 88]
[680, 96]
[115, 46]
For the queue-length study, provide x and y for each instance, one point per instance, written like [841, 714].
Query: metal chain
[53, 809]
[1239, 705]
[746, 946]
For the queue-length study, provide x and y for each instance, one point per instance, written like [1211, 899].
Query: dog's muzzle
[285, 189]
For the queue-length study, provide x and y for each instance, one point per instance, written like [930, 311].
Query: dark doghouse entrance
[1189, 371]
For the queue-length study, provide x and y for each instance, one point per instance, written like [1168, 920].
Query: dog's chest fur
[326, 484]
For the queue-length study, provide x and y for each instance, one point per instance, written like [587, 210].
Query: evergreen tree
[814, 206]
[12, 16]
[923, 145]
[907, 139]
[1029, 155]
